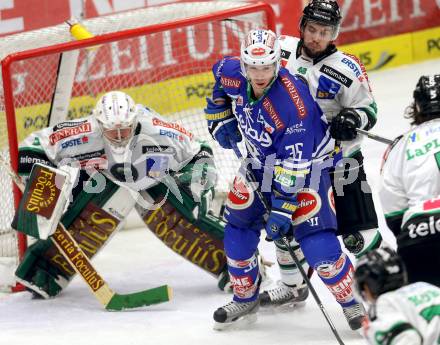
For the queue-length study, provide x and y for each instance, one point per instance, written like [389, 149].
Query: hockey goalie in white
[130, 157]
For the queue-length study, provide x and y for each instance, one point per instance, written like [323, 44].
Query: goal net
[161, 56]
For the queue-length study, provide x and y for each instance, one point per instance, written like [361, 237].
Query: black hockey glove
[343, 126]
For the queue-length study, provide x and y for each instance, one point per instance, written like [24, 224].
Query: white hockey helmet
[116, 113]
[260, 48]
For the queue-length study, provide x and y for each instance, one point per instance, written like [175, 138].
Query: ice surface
[136, 260]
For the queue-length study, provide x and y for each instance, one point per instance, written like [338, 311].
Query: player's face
[316, 38]
[118, 134]
[260, 77]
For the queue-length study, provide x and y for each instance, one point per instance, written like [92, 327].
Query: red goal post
[162, 56]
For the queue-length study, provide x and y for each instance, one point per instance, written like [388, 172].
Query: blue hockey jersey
[284, 129]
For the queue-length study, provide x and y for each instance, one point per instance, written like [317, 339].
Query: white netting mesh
[169, 71]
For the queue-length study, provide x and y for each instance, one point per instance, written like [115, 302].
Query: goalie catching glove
[222, 123]
[280, 217]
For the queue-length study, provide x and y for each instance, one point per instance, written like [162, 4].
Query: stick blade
[140, 299]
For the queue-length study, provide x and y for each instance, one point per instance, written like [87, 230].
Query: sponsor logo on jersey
[96, 159]
[295, 129]
[63, 133]
[309, 204]
[354, 68]
[422, 229]
[67, 124]
[74, 142]
[158, 149]
[363, 69]
[157, 166]
[293, 93]
[240, 196]
[267, 104]
[230, 82]
[171, 135]
[327, 89]
[177, 127]
[344, 80]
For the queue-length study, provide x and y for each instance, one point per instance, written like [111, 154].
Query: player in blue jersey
[289, 151]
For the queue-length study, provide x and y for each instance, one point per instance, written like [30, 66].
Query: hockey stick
[375, 136]
[71, 251]
[251, 177]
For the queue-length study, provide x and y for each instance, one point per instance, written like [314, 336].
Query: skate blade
[282, 308]
[240, 323]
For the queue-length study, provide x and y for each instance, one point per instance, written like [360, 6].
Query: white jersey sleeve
[411, 172]
[409, 315]
[336, 81]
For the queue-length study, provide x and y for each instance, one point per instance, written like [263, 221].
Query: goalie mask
[116, 114]
[323, 12]
[381, 270]
[260, 48]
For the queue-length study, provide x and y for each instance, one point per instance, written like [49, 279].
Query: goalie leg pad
[195, 236]
[92, 220]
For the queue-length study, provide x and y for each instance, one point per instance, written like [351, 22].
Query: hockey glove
[343, 126]
[280, 217]
[222, 124]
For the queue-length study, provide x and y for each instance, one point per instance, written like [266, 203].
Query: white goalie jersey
[336, 81]
[411, 174]
[406, 316]
[158, 147]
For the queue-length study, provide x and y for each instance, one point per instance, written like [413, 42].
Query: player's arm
[356, 98]
[34, 149]
[222, 123]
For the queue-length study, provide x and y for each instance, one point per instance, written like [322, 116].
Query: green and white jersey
[411, 177]
[409, 315]
[157, 147]
[336, 81]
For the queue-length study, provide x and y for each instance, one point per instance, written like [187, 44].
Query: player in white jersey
[399, 314]
[410, 190]
[138, 159]
[339, 83]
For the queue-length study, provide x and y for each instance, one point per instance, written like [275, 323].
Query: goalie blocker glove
[222, 124]
[343, 126]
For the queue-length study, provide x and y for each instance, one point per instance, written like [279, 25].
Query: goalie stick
[71, 251]
[251, 177]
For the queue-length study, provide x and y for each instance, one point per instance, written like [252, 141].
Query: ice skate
[355, 315]
[284, 295]
[236, 314]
